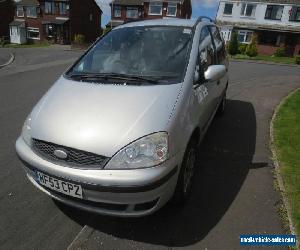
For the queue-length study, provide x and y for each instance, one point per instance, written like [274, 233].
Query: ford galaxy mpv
[118, 133]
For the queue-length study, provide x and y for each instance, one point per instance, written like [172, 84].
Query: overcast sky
[200, 7]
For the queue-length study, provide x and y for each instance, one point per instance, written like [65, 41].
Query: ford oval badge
[60, 154]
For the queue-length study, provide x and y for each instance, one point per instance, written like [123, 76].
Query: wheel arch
[195, 137]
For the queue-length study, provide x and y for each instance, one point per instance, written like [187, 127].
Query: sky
[200, 8]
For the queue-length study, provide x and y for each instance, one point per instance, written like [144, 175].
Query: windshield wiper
[106, 76]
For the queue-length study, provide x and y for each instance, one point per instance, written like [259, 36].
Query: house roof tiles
[17, 23]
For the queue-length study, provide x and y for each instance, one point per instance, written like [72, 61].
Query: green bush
[79, 39]
[251, 49]
[233, 44]
[3, 41]
[30, 42]
[242, 48]
[297, 59]
[280, 52]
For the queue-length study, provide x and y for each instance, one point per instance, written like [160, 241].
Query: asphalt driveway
[233, 189]
[5, 56]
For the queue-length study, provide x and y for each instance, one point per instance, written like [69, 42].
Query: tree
[251, 49]
[233, 44]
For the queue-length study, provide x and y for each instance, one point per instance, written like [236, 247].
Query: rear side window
[219, 44]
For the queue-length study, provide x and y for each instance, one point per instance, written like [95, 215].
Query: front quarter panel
[182, 122]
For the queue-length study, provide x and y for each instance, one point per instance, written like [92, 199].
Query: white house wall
[259, 18]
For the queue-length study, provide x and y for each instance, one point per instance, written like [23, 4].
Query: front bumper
[134, 192]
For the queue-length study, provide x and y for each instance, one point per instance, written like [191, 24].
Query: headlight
[26, 131]
[148, 151]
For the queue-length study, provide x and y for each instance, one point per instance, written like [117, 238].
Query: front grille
[75, 158]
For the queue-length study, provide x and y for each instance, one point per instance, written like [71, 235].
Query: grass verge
[34, 45]
[287, 146]
[273, 59]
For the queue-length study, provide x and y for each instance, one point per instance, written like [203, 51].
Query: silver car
[118, 133]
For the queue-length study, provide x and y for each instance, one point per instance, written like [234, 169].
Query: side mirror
[215, 72]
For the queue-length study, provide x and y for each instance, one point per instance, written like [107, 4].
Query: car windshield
[158, 54]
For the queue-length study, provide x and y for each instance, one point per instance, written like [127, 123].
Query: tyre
[185, 178]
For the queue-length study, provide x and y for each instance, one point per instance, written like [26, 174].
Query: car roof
[162, 22]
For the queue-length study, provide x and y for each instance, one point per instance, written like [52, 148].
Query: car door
[221, 59]
[203, 90]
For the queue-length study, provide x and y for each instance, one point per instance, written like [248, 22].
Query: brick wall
[291, 49]
[183, 11]
[266, 49]
[164, 11]
[123, 12]
[80, 22]
[297, 50]
[6, 16]
[186, 9]
[35, 23]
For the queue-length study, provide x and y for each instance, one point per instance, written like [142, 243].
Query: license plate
[59, 185]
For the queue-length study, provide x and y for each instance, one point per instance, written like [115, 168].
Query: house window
[245, 36]
[62, 8]
[155, 8]
[20, 11]
[248, 10]
[117, 11]
[172, 9]
[91, 17]
[33, 33]
[228, 8]
[132, 12]
[274, 12]
[294, 14]
[31, 11]
[49, 7]
[269, 38]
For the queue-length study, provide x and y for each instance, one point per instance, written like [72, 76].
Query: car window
[219, 44]
[159, 52]
[206, 55]
[206, 49]
[204, 33]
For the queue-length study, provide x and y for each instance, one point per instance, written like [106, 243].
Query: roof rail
[200, 18]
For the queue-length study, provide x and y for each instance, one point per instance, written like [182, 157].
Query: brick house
[129, 10]
[276, 23]
[55, 20]
[6, 16]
